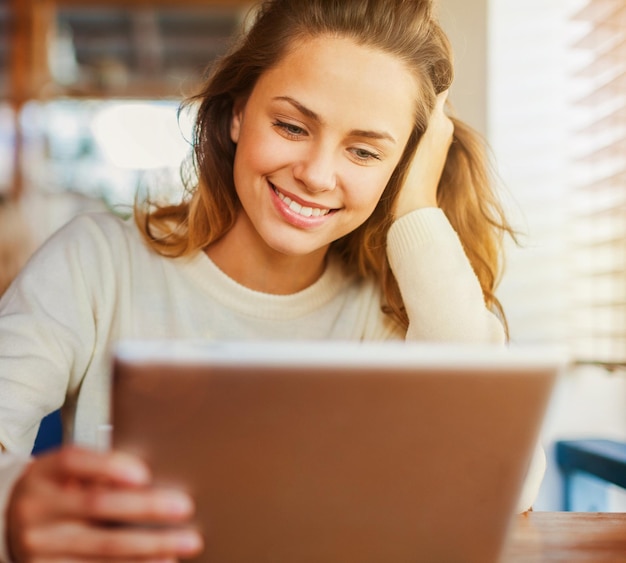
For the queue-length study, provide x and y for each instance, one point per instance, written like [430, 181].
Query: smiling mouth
[303, 210]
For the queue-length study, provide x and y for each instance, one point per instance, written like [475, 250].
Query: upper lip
[299, 200]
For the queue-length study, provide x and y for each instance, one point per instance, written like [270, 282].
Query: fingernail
[132, 471]
[138, 474]
[178, 504]
[189, 542]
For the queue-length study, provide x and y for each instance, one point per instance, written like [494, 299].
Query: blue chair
[588, 465]
[50, 433]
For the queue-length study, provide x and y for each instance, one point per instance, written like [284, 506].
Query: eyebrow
[381, 135]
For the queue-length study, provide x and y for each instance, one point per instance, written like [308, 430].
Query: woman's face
[317, 141]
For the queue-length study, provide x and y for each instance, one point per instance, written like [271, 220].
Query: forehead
[344, 81]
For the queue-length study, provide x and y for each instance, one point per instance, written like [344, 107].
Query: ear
[235, 121]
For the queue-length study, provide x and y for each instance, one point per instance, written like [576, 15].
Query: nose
[317, 169]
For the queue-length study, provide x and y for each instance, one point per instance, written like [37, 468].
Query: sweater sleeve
[444, 300]
[441, 293]
[47, 333]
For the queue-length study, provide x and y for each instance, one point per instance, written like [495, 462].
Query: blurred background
[89, 97]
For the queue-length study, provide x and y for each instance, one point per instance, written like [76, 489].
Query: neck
[260, 268]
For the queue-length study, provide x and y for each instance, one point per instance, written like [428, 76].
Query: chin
[289, 247]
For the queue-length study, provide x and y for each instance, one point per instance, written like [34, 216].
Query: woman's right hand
[422, 179]
[72, 504]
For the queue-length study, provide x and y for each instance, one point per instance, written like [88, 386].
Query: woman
[312, 216]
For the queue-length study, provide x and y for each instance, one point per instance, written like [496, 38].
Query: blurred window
[105, 149]
[557, 125]
[599, 184]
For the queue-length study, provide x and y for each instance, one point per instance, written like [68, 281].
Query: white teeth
[299, 209]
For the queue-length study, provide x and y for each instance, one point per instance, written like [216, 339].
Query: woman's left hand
[422, 179]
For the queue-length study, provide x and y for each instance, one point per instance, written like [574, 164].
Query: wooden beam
[31, 24]
[19, 84]
[43, 17]
[19, 53]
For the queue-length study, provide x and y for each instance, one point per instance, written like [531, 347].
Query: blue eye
[363, 154]
[290, 129]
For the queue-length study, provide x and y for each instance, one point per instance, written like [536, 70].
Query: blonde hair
[407, 29]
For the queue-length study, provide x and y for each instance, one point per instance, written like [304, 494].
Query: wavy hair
[407, 29]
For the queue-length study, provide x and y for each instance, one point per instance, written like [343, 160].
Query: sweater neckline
[246, 301]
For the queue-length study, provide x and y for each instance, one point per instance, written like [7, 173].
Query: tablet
[337, 451]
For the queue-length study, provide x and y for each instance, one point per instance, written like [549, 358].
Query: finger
[440, 130]
[77, 540]
[442, 97]
[105, 504]
[155, 506]
[84, 464]
[439, 123]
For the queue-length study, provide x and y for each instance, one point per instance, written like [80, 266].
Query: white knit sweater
[95, 282]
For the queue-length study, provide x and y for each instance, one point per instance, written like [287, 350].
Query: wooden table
[567, 537]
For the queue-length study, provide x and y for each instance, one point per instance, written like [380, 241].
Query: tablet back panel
[364, 453]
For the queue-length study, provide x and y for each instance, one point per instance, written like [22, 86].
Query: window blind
[597, 208]
[557, 124]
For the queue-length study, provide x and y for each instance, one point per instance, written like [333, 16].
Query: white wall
[465, 23]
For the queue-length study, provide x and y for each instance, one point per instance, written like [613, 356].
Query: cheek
[259, 152]
[248, 166]
[366, 191]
